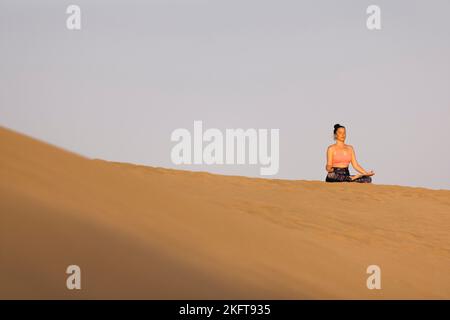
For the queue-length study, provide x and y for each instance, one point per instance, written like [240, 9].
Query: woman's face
[340, 134]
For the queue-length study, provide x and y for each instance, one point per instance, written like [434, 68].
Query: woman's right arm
[329, 166]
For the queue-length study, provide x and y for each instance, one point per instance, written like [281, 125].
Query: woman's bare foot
[356, 176]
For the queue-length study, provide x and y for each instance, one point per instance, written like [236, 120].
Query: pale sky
[137, 70]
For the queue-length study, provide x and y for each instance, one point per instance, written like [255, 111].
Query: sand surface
[152, 233]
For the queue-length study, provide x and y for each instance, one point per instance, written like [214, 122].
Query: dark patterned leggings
[343, 175]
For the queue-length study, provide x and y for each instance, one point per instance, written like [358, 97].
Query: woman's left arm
[355, 163]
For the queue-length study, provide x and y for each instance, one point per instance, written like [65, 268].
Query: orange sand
[153, 233]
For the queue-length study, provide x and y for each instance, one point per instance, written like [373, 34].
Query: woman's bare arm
[329, 166]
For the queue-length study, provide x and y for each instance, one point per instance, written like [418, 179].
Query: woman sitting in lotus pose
[339, 155]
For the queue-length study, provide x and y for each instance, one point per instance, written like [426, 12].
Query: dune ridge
[141, 232]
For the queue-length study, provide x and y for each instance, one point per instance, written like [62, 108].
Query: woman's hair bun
[336, 127]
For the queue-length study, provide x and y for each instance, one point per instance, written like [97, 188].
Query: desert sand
[141, 232]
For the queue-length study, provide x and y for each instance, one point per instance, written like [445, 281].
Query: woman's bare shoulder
[350, 147]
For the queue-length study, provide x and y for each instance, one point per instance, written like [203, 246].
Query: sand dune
[152, 233]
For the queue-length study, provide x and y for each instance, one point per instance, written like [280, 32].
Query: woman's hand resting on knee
[356, 176]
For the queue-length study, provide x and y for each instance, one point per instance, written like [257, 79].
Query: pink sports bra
[340, 158]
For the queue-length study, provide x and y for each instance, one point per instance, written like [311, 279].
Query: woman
[339, 155]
